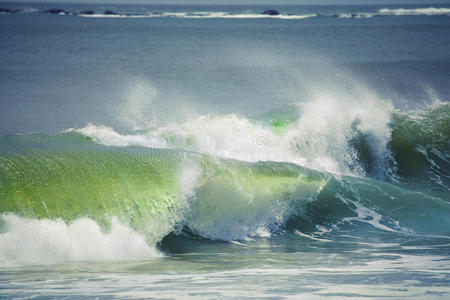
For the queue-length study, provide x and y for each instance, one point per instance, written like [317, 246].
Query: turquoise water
[214, 152]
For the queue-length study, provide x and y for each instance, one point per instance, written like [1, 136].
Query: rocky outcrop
[271, 12]
[9, 10]
[87, 12]
[110, 12]
[56, 11]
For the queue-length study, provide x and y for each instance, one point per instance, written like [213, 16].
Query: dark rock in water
[87, 12]
[271, 12]
[55, 11]
[110, 12]
[9, 10]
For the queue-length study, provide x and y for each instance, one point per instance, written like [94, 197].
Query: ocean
[224, 152]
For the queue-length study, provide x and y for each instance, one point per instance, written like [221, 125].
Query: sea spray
[320, 136]
[26, 241]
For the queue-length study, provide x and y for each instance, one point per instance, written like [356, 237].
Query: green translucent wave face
[70, 177]
[156, 192]
[239, 200]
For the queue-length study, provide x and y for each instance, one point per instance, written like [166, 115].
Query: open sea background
[204, 152]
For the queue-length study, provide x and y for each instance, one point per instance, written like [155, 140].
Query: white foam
[430, 11]
[224, 15]
[107, 136]
[29, 9]
[262, 16]
[353, 15]
[31, 241]
[311, 237]
[188, 179]
[371, 217]
[318, 140]
[345, 16]
[115, 16]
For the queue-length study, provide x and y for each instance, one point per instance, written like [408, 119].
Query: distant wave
[201, 15]
[115, 16]
[384, 12]
[387, 12]
[430, 11]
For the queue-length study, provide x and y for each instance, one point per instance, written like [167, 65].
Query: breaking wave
[301, 168]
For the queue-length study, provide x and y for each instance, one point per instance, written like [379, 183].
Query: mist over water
[173, 151]
[205, 65]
